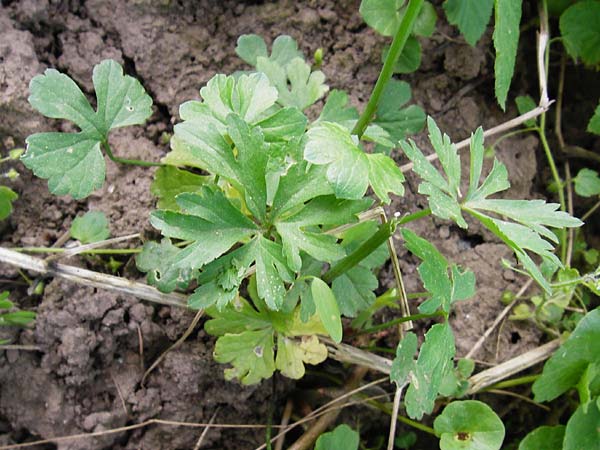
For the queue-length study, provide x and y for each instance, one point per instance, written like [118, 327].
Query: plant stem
[391, 323]
[590, 211]
[527, 379]
[381, 235]
[404, 30]
[132, 162]
[405, 420]
[95, 251]
[414, 216]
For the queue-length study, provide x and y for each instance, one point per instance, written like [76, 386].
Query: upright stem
[380, 237]
[132, 162]
[404, 30]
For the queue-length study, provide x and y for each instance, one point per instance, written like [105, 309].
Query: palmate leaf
[349, 169]
[528, 228]
[297, 85]
[157, 259]
[446, 284]
[73, 162]
[246, 336]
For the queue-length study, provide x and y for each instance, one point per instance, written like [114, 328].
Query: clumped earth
[95, 345]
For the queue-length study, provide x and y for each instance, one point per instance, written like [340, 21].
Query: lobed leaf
[91, 227]
[342, 437]
[158, 261]
[587, 183]
[73, 162]
[580, 33]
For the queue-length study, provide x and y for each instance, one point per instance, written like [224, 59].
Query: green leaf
[73, 162]
[525, 104]
[385, 16]
[284, 125]
[410, 58]
[384, 176]
[568, 364]
[404, 362]
[469, 425]
[594, 123]
[547, 438]
[470, 16]
[331, 144]
[434, 362]
[7, 197]
[170, 181]
[532, 218]
[327, 308]
[91, 227]
[506, 41]
[336, 110]
[17, 318]
[444, 288]
[587, 183]
[580, 33]
[210, 220]
[397, 120]
[271, 272]
[158, 260]
[251, 46]
[343, 437]
[298, 231]
[583, 429]
[250, 353]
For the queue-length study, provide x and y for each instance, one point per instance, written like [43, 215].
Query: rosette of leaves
[523, 225]
[276, 189]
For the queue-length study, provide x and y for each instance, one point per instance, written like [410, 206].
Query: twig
[394, 417]
[488, 377]
[91, 278]
[114, 380]
[141, 347]
[179, 341]
[83, 248]
[499, 319]
[542, 47]
[27, 348]
[492, 131]
[285, 419]
[310, 436]
[205, 431]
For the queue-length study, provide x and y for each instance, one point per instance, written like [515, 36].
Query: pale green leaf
[385, 176]
[7, 197]
[343, 437]
[327, 308]
[249, 352]
[170, 181]
[250, 47]
[404, 362]
[73, 162]
[292, 354]
[435, 360]
[587, 183]
[91, 227]
[385, 16]
[580, 31]
[157, 259]
[470, 16]
[336, 110]
[347, 165]
[469, 425]
[547, 438]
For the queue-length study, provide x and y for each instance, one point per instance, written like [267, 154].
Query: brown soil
[87, 375]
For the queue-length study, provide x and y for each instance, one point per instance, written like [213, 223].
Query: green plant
[277, 237]
[10, 317]
[7, 195]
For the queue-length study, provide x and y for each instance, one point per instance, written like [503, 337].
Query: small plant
[10, 317]
[277, 237]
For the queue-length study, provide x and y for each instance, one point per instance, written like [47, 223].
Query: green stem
[405, 420]
[391, 323]
[404, 30]
[380, 237]
[590, 211]
[528, 379]
[414, 216]
[514, 133]
[95, 251]
[132, 162]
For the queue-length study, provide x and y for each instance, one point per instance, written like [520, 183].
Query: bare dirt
[86, 376]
